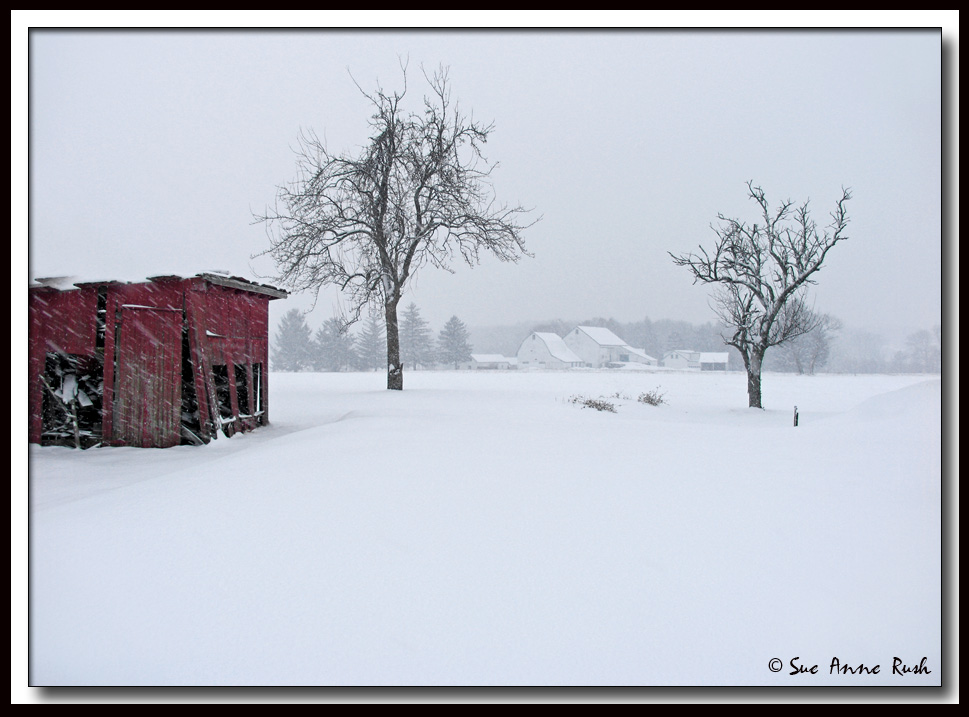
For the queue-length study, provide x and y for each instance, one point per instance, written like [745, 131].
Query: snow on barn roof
[602, 336]
[68, 283]
[713, 358]
[556, 347]
[639, 352]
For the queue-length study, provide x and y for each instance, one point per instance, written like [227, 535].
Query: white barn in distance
[546, 350]
[598, 347]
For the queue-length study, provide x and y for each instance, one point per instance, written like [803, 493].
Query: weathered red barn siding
[61, 322]
[125, 412]
[147, 404]
[230, 328]
[225, 323]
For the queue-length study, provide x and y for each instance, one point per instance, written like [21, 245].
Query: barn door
[148, 397]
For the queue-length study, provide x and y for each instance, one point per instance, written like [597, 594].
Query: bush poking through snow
[603, 403]
[600, 404]
[653, 398]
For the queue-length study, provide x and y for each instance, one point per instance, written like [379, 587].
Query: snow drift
[483, 530]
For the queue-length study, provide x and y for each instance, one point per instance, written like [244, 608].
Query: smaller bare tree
[924, 349]
[811, 351]
[762, 271]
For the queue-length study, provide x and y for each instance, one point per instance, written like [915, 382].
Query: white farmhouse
[682, 358]
[696, 360]
[598, 347]
[546, 350]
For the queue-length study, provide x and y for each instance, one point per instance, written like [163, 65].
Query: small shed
[492, 362]
[168, 361]
[715, 361]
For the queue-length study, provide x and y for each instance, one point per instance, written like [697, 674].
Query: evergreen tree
[453, 344]
[292, 347]
[416, 339]
[334, 347]
[372, 346]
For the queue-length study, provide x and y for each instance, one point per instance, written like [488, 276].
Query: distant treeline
[839, 350]
[831, 348]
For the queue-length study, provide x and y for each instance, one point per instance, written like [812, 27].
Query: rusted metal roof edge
[234, 282]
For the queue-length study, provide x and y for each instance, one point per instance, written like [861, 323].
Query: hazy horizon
[151, 150]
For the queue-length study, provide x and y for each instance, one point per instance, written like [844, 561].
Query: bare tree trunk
[753, 365]
[395, 371]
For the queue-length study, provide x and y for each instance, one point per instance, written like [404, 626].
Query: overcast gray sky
[149, 151]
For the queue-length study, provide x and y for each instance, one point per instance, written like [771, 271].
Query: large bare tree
[419, 193]
[761, 271]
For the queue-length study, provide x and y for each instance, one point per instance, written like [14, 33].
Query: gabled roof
[602, 336]
[68, 283]
[556, 346]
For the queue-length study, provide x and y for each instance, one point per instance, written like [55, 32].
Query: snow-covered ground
[481, 529]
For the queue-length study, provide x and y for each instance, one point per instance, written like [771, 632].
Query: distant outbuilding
[697, 360]
[492, 362]
[168, 361]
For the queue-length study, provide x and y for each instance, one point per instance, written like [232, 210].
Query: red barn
[165, 362]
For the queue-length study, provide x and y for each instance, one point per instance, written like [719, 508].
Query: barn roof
[602, 336]
[639, 352]
[558, 349]
[68, 283]
[714, 358]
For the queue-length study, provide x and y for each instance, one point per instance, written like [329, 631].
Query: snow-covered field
[481, 529]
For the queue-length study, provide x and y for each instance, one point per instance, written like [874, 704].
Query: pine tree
[292, 347]
[453, 345]
[416, 339]
[372, 346]
[334, 347]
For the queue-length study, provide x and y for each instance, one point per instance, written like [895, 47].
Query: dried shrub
[600, 404]
[653, 398]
